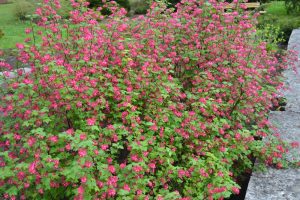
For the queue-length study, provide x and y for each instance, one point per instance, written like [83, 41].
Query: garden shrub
[65, 10]
[292, 6]
[123, 3]
[139, 7]
[22, 9]
[286, 25]
[163, 106]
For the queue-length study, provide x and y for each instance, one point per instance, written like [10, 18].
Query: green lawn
[276, 8]
[12, 28]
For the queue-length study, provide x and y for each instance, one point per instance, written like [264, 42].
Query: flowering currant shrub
[163, 106]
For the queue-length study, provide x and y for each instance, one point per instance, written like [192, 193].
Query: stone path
[282, 184]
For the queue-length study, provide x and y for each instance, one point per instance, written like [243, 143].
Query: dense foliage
[292, 6]
[164, 106]
[96, 3]
[22, 9]
[278, 15]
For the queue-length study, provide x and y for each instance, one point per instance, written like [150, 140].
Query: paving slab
[288, 125]
[293, 79]
[276, 184]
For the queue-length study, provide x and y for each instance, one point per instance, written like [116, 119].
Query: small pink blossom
[81, 190]
[82, 152]
[137, 168]
[32, 168]
[235, 190]
[27, 81]
[111, 192]
[83, 179]
[126, 187]
[82, 136]
[111, 169]
[91, 121]
[104, 147]
[20, 46]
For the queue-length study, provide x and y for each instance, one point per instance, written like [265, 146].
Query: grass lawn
[12, 28]
[276, 8]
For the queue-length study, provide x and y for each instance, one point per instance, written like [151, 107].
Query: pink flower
[111, 169]
[112, 181]
[68, 147]
[237, 136]
[126, 187]
[152, 165]
[82, 137]
[27, 30]
[91, 121]
[137, 169]
[53, 139]
[111, 192]
[181, 173]
[70, 131]
[134, 158]
[160, 198]
[32, 167]
[235, 190]
[31, 141]
[122, 27]
[83, 179]
[122, 165]
[222, 149]
[154, 128]
[104, 147]
[26, 185]
[129, 89]
[27, 81]
[20, 46]
[88, 164]
[100, 184]
[82, 152]
[80, 190]
[21, 175]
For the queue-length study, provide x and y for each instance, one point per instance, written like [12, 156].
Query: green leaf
[123, 192]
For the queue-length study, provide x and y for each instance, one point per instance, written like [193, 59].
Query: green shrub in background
[173, 2]
[1, 34]
[64, 12]
[286, 25]
[22, 9]
[123, 3]
[138, 7]
[278, 15]
[66, 7]
[292, 6]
